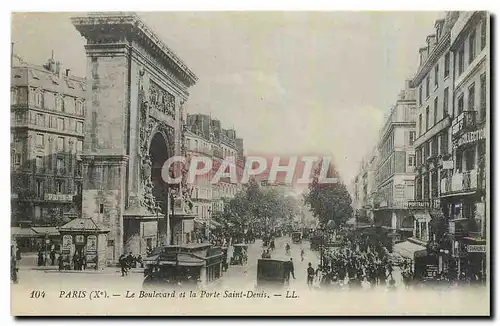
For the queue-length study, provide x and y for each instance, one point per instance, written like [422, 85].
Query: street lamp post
[322, 246]
[157, 209]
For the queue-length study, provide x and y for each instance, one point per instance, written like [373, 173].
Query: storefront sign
[91, 243]
[58, 197]
[79, 239]
[425, 204]
[476, 248]
[436, 203]
[431, 271]
[418, 204]
[469, 137]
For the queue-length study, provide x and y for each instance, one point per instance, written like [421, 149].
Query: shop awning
[46, 230]
[422, 216]
[17, 232]
[408, 249]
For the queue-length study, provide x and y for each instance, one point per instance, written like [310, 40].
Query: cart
[270, 273]
[297, 237]
[240, 255]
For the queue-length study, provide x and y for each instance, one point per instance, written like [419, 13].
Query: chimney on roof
[58, 69]
[423, 54]
[50, 65]
[408, 84]
[438, 25]
[67, 72]
[431, 42]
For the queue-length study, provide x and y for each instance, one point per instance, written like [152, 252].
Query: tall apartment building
[434, 84]
[205, 137]
[463, 190]
[365, 188]
[395, 176]
[47, 119]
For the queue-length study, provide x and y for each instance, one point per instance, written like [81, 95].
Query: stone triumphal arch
[134, 118]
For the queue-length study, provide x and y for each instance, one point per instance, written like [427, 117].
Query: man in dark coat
[130, 260]
[52, 257]
[123, 264]
[291, 268]
[310, 275]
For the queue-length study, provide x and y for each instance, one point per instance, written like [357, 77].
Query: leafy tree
[255, 205]
[329, 202]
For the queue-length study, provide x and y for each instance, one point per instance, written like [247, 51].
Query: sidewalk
[55, 269]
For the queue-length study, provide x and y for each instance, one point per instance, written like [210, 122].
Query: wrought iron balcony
[461, 182]
[463, 122]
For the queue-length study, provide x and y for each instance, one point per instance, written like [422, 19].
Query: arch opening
[158, 153]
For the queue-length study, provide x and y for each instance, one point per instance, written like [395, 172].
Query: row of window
[471, 99]
[224, 191]
[48, 100]
[60, 165]
[60, 144]
[471, 105]
[385, 170]
[471, 43]
[435, 110]
[202, 211]
[465, 160]
[387, 146]
[436, 78]
[204, 147]
[473, 46]
[60, 123]
[438, 145]
[48, 121]
[60, 187]
[200, 193]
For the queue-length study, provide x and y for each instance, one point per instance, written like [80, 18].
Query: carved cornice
[157, 72]
[431, 59]
[105, 27]
[106, 159]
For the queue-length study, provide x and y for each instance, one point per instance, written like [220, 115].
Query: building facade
[205, 137]
[201, 191]
[395, 176]
[365, 189]
[137, 88]
[47, 130]
[434, 84]
[463, 190]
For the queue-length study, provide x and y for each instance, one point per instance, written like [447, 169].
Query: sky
[290, 83]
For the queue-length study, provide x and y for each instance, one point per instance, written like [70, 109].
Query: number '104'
[37, 294]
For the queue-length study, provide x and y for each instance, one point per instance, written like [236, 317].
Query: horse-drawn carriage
[297, 237]
[240, 254]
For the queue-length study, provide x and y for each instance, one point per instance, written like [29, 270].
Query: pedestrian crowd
[358, 262]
